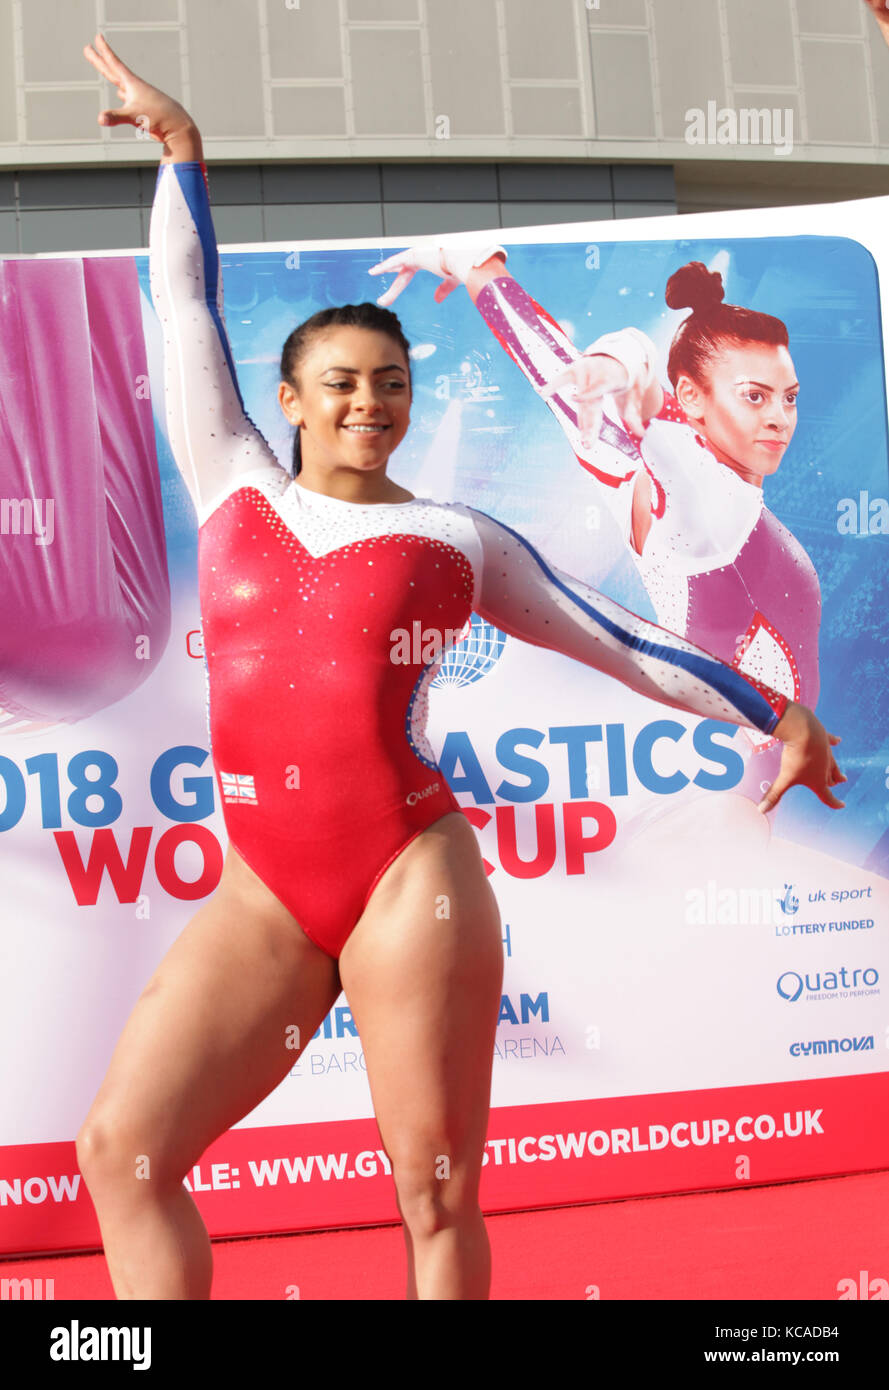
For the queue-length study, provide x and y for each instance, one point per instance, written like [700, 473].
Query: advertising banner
[695, 993]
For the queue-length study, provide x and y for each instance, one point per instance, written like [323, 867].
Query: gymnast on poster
[681, 473]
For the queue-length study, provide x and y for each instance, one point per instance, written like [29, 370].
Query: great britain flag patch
[238, 787]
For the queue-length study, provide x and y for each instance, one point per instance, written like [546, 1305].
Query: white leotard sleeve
[524, 596]
[213, 440]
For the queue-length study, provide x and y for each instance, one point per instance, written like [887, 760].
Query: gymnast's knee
[434, 1194]
[116, 1155]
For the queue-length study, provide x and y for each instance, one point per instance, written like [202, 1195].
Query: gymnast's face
[352, 399]
[746, 409]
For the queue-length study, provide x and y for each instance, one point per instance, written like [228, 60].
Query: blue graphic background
[512, 456]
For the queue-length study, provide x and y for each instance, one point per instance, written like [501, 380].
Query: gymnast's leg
[207, 1040]
[423, 973]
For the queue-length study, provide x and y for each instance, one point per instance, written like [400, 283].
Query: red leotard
[302, 594]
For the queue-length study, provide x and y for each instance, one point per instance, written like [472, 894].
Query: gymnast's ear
[290, 403]
[691, 397]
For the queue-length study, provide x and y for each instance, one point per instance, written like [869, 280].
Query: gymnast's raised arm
[213, 440]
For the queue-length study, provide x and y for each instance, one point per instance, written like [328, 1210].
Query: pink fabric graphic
[83, 569]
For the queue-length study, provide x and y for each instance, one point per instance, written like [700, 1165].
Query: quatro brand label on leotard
[413, 797]
[238, 787]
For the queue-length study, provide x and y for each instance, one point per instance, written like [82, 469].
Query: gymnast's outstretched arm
[603, 398]
[618, 369]
[527, 598]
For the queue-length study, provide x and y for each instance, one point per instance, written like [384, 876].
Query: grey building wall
[737, 102]
[479, 79]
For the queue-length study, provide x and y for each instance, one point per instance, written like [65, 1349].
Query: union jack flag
[236, 787]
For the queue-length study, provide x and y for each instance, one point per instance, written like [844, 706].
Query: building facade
[339, 118]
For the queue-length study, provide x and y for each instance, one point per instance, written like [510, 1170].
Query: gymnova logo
[822, 1045]
[828, 984]
[473, 656]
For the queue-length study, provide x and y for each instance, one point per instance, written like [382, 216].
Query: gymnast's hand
[144, 106]
[880, 10]
[806, 759]
[452, 263]
[587, 381]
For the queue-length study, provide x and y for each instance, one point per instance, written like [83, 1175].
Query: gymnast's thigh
[213, 1031]
[423, 973]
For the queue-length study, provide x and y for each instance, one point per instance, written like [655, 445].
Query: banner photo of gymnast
[668, 443]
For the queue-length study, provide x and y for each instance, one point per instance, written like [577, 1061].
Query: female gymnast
[366, 876]
[681, 473]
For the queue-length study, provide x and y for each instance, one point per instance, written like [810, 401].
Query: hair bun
[695, 287]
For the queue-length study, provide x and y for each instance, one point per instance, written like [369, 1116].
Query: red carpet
[793, 1241]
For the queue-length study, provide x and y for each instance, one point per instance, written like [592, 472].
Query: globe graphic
[473, 656]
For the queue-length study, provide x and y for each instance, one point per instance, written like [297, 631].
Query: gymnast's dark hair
[712, 324]
[349, 315]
